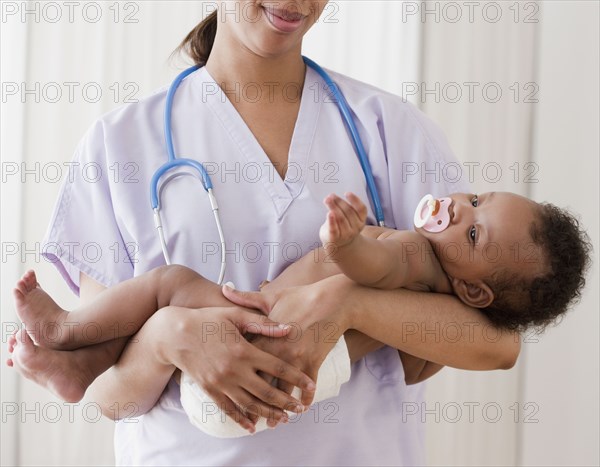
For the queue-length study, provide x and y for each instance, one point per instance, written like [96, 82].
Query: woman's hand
[317, 319]
[208, 345]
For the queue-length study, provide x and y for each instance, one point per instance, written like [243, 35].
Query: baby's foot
[42, 316]
[62, 372]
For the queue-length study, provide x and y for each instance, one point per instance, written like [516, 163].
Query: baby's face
[486, 233]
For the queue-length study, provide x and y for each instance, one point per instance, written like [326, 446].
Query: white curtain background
[450, 58]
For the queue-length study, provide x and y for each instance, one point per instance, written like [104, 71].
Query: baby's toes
[30, 280]
[11, 344]
[25, 350]
[22, 338]
[20, 290]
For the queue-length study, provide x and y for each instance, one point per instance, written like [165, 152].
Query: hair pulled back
[199, 42]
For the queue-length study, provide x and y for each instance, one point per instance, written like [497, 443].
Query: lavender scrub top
[268, 223]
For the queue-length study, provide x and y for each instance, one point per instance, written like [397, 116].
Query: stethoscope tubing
[174, 162]
[347, 118]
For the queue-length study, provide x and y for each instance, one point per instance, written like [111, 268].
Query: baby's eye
[473, 234]
[475, 201]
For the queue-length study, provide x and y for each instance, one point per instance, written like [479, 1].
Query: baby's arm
[376, 257]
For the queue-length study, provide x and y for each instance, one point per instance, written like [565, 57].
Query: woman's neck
[234, 66]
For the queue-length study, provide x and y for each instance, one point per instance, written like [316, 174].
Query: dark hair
[199, 42]
[521, 303]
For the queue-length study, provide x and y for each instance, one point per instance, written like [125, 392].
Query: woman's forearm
[435, 327]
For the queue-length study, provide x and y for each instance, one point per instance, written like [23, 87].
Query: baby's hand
[345, 220]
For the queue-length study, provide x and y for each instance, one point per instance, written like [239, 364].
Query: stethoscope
[174, 163]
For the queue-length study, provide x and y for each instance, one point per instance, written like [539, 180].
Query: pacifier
[432, 214]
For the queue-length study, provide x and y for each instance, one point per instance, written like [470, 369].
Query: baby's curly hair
[535, 302]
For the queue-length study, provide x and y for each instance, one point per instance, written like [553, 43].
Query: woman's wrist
[341, 289]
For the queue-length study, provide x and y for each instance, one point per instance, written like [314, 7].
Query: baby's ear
[477, 294]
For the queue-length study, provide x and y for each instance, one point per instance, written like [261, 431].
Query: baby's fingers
[343, 212]
[331, 201]
[357, 205]
[350, 212]
[334, 228]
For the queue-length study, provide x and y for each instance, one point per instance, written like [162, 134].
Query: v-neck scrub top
[103, 226]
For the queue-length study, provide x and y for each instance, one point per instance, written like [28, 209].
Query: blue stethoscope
[174, 163]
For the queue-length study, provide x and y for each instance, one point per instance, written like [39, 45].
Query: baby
[520, 262]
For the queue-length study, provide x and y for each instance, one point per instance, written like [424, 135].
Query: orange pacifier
[432, 214]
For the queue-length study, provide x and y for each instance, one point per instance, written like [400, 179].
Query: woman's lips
[282, 20]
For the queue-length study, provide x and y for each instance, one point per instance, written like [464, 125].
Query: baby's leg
[118, 311]
[67, 374]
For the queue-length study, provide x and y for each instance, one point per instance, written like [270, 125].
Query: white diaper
[205, 414]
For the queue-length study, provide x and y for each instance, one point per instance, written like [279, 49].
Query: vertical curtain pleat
[561, 376]
[12, 119]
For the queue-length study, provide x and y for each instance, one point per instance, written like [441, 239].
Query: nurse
[262, 124]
